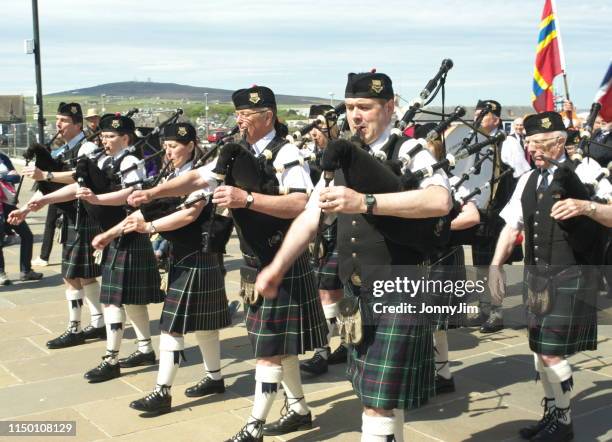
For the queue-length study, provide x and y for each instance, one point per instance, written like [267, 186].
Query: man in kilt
[392, 368]
[294, 323]
[509, 154]
[195, 300]
[78, 267]
[130, 278]
[330, 288]
[561, 289]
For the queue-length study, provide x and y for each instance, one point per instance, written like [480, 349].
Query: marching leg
[109, 367]
[548, 402]
[444, 379]
[377, 428]
[74, 334]
[96, 328]
[213, 382]
[144, 355]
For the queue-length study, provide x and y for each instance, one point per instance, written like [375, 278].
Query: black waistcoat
[261, 235]
[361, 246]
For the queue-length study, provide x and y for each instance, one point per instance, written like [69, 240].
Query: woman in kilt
[78, 267]
[130, 278]
[330, 288]
[195, 299]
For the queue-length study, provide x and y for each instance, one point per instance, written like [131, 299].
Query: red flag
[604, 96]
[548, 63]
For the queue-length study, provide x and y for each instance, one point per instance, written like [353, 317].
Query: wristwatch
[370, 203]
[49, 176]
[249, 200]
[592, 209]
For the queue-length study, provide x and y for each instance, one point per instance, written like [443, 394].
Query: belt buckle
[356, 279]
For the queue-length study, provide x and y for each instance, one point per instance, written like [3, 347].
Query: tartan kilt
[327, 273]
[393, 366]
[196, 298]
[450, 268]
[134, 279]
[292, 323]
[571, 325]
[77, 251]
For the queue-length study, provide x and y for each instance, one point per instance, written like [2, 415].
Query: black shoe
[137, 359]
[205, 387]
[555, 430]
[66, 339]
[444, 385]
[103, 372]
[154, 403]
[492, 325]
[288, 423]
[477, 321]
[339, 356]
[91, 332]
[245, 436]
[317, 365]
[233, 308]
[31, 276]
[533, 429]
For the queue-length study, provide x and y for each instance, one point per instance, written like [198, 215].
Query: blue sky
[304, 47]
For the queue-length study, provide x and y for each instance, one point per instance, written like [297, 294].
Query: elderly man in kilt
[78, 267]
[560, 285]
[292, 324]
[195, 300]
[130, 279]
[330, 288]
[392, 368]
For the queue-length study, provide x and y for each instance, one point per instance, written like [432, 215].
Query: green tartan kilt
[393, 366]
[327, 273]
[292, 323]
[77, 251]
[571, 326]
[450, 268]
[196, 297]
[134, 278]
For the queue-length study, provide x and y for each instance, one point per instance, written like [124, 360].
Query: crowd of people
[364, 196]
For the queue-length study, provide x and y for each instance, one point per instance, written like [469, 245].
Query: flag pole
[561, 55]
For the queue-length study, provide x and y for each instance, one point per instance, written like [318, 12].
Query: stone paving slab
[496, 393]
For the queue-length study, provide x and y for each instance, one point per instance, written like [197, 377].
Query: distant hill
[176, 91]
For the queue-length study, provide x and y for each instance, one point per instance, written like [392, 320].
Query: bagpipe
[324, 119]
[587, 128]
[236, 166]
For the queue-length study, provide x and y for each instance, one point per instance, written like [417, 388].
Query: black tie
[543, 180]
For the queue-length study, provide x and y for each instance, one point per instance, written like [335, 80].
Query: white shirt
[133, 175]
[513, 154]
[421, 160]
[512, 213]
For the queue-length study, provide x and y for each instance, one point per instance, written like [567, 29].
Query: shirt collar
[75, 140]
[116, 155]
[382, 140]
[263, 142]
[553, 167]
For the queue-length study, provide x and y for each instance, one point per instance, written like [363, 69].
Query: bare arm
[421, 203]
[280, 206]
[570, 208]
[468, 217]
[173, 221]
[66, 193]
[117, 198]
[505, 245]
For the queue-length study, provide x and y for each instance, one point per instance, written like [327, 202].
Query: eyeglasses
[108, 137]
[248, 115]
[540, 143]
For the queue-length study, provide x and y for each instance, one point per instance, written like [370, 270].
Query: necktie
[543, 180]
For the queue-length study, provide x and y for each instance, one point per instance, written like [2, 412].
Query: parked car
[215, 136]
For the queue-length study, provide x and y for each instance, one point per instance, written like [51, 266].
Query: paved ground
[494, 376]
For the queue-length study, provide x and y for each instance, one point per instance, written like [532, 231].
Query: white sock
[376, 428]
[441, 354]
[75, 304]
[548, 390]
[139, 317]
[210, 346]
[91, 293]
[398, 424]
[170, 348]
[115, 318]
[267, 378]
[560, 378]
[331, 313]
[292, 384]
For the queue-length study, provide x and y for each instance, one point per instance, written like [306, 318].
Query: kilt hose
[196, 298]
[571, 325]
[292, 323]
[448, 266]
[134, 279]
[77, 251]
[393, 366]
[327, 272]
